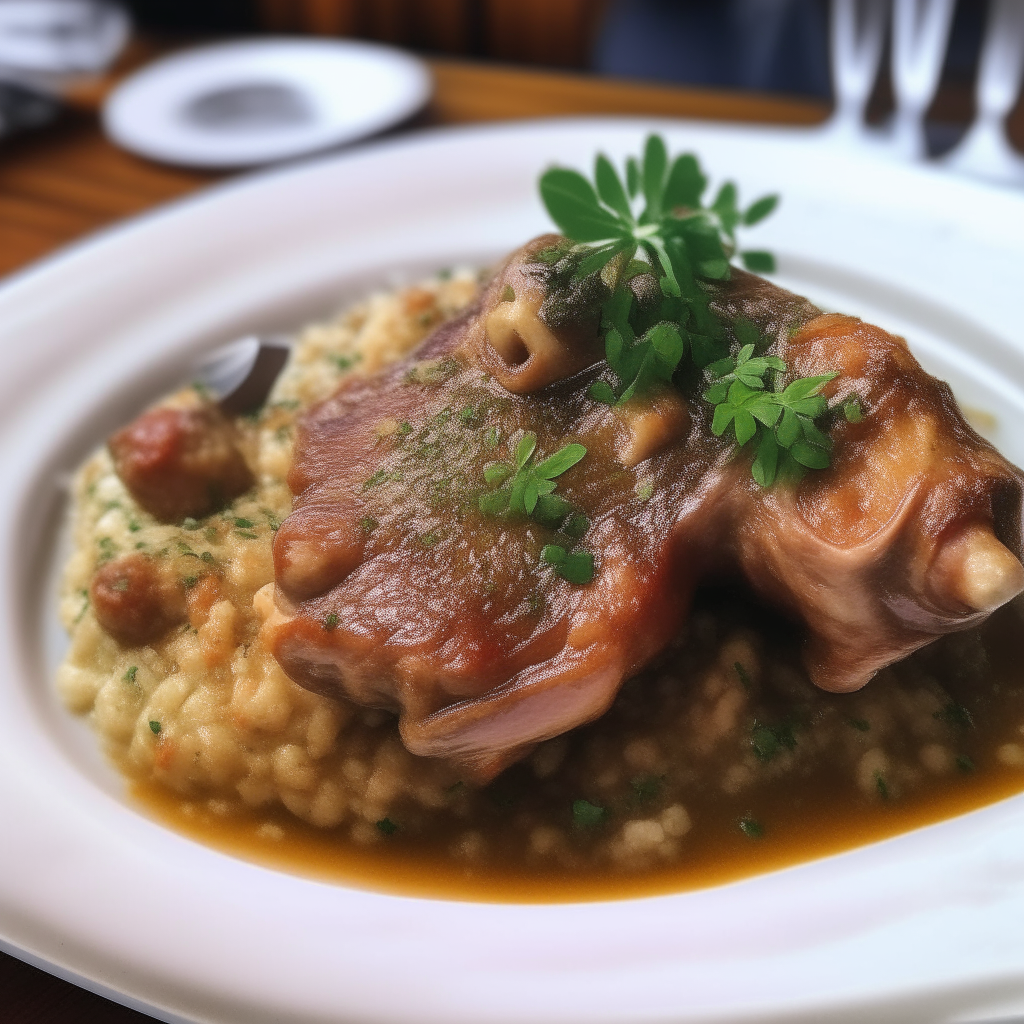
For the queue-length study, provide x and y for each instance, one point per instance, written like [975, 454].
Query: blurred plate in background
[253, 102]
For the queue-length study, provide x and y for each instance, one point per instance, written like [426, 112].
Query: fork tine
[1002, 59]
[984, 150]
[920, 34]
[857, 35]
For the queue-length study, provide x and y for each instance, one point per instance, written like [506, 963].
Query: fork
[920, 33]
[857, 35]
[984, 151]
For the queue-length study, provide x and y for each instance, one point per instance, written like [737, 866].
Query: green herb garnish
[780, 422]
[387, 826]
[574, 566]
[346, 362]
[770, 740]
[852, 410]
[587, 815]
[881, 786]
[129, 676]
[154, 727]
[676, 233]
[751, 827]
[526, 489]
[955, 715]
[330, 622]
[638, 363]
[683, 247]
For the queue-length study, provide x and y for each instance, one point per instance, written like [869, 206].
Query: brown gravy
[806, 828]
[801, 815]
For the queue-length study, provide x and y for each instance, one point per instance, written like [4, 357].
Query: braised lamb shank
[394, 589]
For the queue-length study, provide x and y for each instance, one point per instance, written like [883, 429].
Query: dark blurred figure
[195, 15]
[770, 45]
[779, 46]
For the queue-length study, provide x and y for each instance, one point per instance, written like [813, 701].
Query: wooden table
[67, 180]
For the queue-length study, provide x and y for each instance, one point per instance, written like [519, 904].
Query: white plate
[923, 927]
[253, 102]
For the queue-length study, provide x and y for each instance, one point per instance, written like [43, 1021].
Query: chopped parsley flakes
[751, 827]
[587, 815]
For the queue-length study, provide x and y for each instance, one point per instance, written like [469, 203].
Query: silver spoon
[242, 373]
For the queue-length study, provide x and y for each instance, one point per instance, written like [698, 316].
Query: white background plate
[928, 926]
[251, 102]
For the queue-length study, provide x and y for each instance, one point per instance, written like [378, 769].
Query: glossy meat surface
[395, 590]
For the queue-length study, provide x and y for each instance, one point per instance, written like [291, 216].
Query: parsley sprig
[678, 235]
[687, 247]
[748, 399]
[681, 243]
[574, 566]
[638, 363]
[525, 488]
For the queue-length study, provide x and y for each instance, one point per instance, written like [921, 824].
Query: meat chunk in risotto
[134, 601]
[180, 462]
